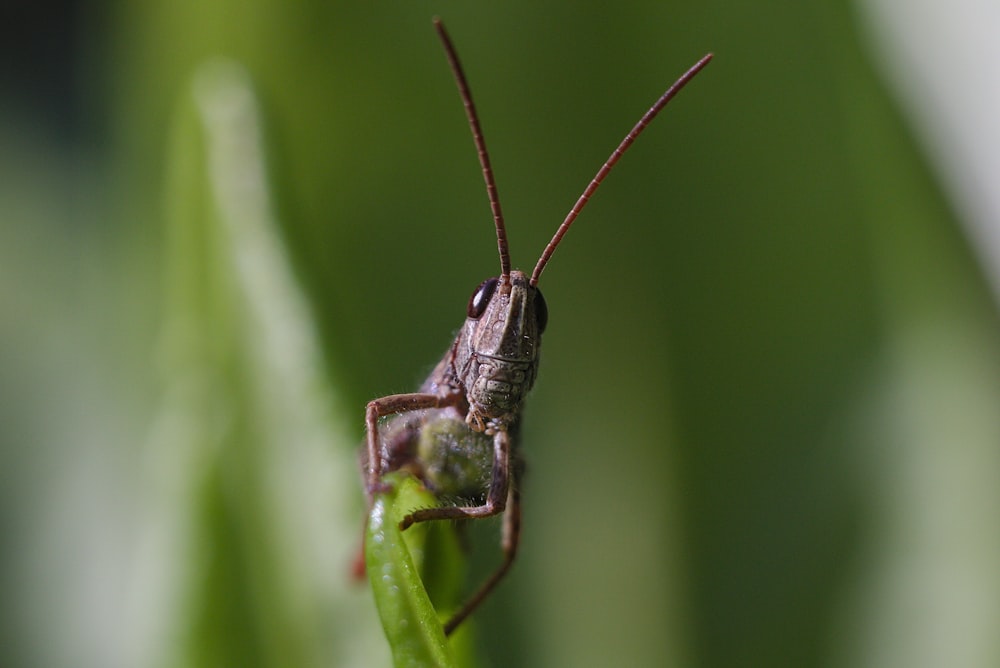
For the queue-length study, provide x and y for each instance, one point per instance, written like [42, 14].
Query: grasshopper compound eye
[541, 311]
[480, 299]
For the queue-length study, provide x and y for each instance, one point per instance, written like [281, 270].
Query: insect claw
[475, 421]
[379, 487]
[410, 519]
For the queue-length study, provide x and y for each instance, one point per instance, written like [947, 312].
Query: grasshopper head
[498, 348]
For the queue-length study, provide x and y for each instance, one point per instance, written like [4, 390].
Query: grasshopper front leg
[393, 405]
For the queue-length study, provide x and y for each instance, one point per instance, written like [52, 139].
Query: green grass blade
[411, 623]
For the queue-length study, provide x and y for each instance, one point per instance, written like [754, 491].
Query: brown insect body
[459, 432]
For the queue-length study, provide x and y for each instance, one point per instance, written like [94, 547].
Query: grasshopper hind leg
[509, 543]
[503, 497]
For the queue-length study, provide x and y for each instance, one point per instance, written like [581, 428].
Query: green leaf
[249, 438]
[394, 564]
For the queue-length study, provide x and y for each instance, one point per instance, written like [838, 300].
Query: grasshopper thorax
[496, 353]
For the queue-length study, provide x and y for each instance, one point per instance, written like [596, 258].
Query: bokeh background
[766, 429]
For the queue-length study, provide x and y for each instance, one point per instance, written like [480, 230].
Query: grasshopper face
[496, 354]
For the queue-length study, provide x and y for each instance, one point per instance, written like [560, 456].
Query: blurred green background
[765, 430]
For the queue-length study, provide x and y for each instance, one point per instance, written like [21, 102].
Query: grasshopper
[459, 432]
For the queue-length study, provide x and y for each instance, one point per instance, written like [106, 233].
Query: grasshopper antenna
[615, 156]
[477, 136]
